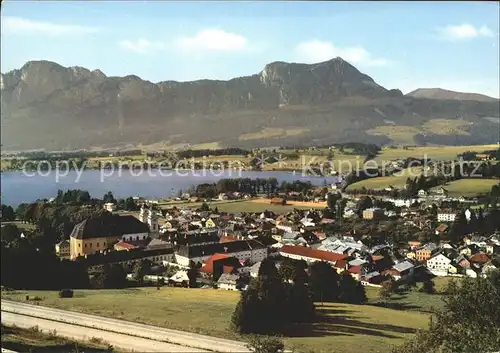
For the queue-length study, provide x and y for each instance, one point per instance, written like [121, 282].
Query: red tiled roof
[441, 228]
[209, 263]
[341, 263]
[479, 258]
[312, 253]
[355, 269]
[227, 239]
[124, 245]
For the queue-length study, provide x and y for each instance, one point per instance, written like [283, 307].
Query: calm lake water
[17, 187]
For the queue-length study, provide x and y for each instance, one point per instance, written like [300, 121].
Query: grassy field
[348, 328]
[470, 187]
[403, 134]
[434, 152]
[398, 180]
[32, 340]
[272, 132]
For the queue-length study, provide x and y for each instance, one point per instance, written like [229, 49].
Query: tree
[458, 228]
[109, 198]
[469, 321]
[192, 274]
[263, 344]
[7, 213]
[247, 314]
[141, 268]
[323, 280]
[387, 289]
[428, 286]
[205, 207]
[364, 203]
[350, 290]
[21, 211]
[331, 200]
[110, 276]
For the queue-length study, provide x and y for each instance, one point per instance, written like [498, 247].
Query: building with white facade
[439, 265]
[446, 216]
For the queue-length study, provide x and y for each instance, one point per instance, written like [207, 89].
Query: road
[82, 334]
[179, 338]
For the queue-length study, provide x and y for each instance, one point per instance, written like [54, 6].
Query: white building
[438, 265]
[109, 206]
[446, 217]
[228, 282]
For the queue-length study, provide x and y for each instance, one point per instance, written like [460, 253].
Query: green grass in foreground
[32, 340]
[348, 328]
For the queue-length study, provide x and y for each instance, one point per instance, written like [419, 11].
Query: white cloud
[18, 25]
[212, 40]
[315, 51]
[142, 46]
[464, 31]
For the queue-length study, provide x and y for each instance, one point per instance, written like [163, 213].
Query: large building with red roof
[310, 255]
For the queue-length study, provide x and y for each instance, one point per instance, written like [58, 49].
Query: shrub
[66, 293]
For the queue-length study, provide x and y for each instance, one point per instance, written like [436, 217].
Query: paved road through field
[180, 338]
[83, 333]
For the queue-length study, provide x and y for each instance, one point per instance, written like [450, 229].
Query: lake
[18, 187]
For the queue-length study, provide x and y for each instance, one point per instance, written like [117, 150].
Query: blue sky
[406, 45]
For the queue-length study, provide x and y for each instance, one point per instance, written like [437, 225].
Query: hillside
[45, 105]
[439, 93]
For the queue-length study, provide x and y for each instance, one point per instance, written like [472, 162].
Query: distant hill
[46, 105]
[439, 93]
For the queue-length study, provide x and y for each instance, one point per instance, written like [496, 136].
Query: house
[401, 269]
[209, 223]
[109, 206]
[228, 281]
[62, 249]
[483, 156]
[446, 216]
[441, 229]
[425, 252]
[253, 250]
[101, 233]
[439, 265]
[422, 193]
[373, 213]
[441, 191]
[218, 264]
[310, 255]
[180, 278]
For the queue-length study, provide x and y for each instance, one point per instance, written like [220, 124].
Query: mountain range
[47, 106]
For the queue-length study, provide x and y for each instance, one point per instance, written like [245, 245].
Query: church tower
[143, 216]
[153, 221]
